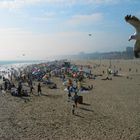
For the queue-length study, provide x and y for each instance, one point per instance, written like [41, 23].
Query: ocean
[6, 67]
[17, 62]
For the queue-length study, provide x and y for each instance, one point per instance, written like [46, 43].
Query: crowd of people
[29, 80]
[42, 73]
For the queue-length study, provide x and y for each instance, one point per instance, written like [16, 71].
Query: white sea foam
[8, 69]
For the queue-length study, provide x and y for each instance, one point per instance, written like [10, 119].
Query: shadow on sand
[24, 98]
[53, 96]
[86, 109]
[78, 116]
[85, 104]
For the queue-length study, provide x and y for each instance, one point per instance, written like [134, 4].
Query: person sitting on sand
[107, 78]
[84, 88]
[53, 86]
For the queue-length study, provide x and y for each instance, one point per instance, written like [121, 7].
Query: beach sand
[111, 111]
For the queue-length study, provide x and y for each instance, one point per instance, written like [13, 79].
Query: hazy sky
[43, 28]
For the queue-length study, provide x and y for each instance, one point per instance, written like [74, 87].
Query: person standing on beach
[39, 89]
[19, 88]
[69, 92]
[5, 85]
[31, 89]
[1, 88]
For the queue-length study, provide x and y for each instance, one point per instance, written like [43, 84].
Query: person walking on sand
[31, 89]
[76, 99]
[73, 109]
[39, 89]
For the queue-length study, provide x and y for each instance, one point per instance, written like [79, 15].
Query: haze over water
[40, 29]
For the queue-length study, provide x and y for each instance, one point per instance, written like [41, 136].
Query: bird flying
[135, 22]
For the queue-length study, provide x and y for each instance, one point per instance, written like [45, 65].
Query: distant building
[129, 49]
[129, 52]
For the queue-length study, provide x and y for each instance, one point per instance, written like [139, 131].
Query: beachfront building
[129, 52]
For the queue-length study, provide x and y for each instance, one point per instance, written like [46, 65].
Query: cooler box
[80, 99]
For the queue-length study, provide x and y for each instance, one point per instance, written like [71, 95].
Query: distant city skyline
[127, 53]
[39, 29]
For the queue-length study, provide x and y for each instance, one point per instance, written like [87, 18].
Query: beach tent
[74, 68]
[66, 64]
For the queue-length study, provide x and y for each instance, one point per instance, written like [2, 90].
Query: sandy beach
[110, 111]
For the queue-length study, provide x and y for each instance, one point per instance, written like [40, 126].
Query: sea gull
[135, 22]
